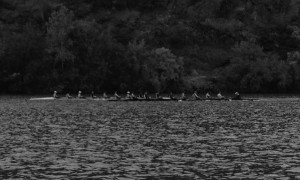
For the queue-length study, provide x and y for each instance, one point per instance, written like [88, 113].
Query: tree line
[147, 45]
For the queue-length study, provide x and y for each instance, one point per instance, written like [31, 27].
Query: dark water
[149, 140]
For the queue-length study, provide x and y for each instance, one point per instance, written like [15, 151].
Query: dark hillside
[139, 45]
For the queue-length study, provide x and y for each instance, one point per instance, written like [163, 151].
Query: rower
[207, 95]
[141, 96]
[171, 95]
[157, 96]
[237, 96]
[104, 95]
[117, 96]
[128, 96]
[195, 95]
[219, 95]
[79, 95]
[93, 95]
[133, 96]
[55, 94]
[68, 96]
[183, 97]
[146, 96]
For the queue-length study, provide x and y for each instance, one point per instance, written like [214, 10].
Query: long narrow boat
[228, 99]
[246, 99]
[143, 99]
[63, 98]
[139, 99]
[42, 99]
[168, 99]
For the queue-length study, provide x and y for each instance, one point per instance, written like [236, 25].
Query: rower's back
[183, 97]
[207, 95]
[195, 96]
[237, 96]
[219, 96]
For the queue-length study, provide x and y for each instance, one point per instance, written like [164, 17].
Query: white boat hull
[42, 99]
[64, 98]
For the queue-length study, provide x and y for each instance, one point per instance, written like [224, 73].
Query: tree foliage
[59, 28]
[148, 45]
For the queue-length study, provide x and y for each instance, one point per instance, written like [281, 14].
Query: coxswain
[55, 94]
[237, 96]
[195, 95]
[183, 97]
[207, 95]
[219, 95]
[117, 96]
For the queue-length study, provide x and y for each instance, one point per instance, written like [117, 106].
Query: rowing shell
[42, 99]
[126, 100]
[180, 100]
[129, 100]
[64, 98]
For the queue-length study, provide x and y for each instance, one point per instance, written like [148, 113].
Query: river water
[149, 140]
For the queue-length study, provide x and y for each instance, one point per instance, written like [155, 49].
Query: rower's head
[55, 92]
[128, 92]
[236, 93]
[79, 92]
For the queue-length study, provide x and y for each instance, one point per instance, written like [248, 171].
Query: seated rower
[117, 96]
[146, 96]
[171, 95]
[157, 96]
[237, 96]
[140, 96]
[128, 96]
[104, 95]
[219, 95]
[133, 96]
[195, 96]
[93, 95]
[55, 94]
[207, 95]
[79, 95]
[183, 97]
[68, 96]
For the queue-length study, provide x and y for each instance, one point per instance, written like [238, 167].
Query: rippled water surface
[149, 140]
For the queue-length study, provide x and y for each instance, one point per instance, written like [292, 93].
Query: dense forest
[149, 45]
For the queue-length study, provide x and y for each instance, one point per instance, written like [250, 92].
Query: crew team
[132, 96]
